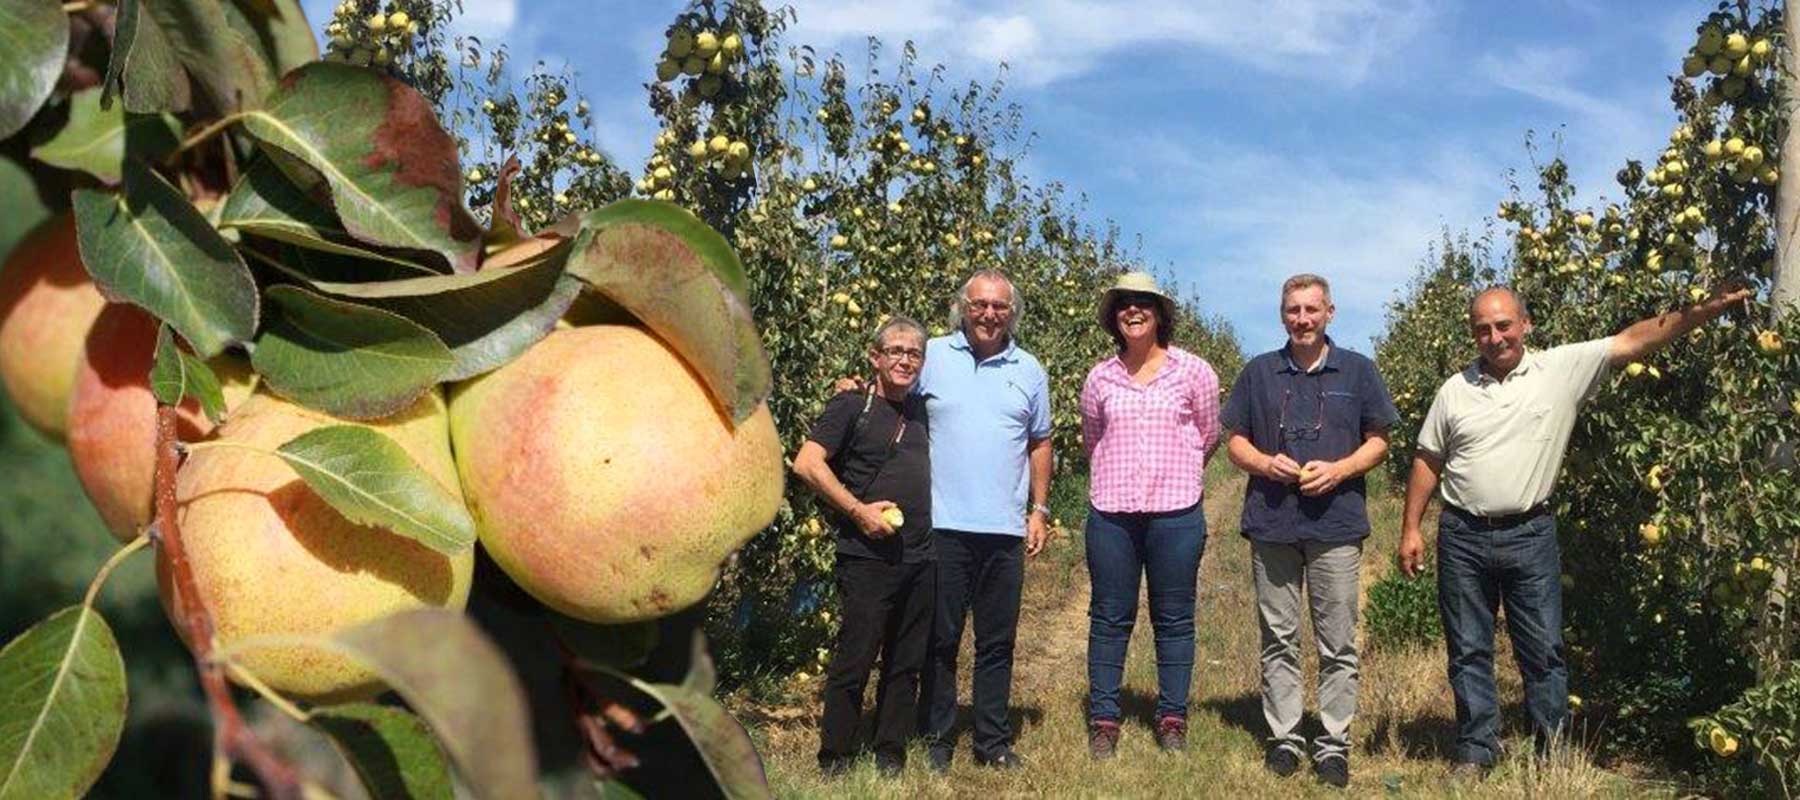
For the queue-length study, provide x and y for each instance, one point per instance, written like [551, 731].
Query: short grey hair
[1499, 289]
[1302, 281]
[959, 305]
[897, 322]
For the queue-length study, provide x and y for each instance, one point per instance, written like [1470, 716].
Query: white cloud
[1334, 41]
[489, 20]
[1244, 218]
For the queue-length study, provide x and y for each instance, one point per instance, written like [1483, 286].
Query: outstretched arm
[1648, 336]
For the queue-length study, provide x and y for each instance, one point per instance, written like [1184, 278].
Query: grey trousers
[1330, 574]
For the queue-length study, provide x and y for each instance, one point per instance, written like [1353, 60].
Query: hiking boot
[1171, 734]
[1333, 770]
[1282, 761]
[1103, 739]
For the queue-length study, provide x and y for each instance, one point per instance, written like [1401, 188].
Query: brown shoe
[1171, 733]
[1103, 739]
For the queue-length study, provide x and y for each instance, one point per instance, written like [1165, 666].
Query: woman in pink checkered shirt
[1149, 419]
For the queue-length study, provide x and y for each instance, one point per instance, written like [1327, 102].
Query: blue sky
[1240, 141]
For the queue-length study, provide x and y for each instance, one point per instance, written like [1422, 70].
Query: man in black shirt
[867, 456]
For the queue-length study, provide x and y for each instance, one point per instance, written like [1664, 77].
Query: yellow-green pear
[271, 558]
[603, 478]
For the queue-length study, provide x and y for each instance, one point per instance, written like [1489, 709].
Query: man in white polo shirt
[1493, 442]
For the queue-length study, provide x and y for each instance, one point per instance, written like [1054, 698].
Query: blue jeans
[1481, 567]
[1165, 548]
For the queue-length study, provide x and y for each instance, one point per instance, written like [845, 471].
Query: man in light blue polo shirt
[989, 405]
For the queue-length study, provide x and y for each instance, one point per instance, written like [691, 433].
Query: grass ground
[1404, 727]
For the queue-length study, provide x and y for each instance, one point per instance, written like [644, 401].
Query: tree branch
[232, 738]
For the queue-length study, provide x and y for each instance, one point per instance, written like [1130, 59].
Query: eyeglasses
[1284, 433]
[988, 305]
[898, 353]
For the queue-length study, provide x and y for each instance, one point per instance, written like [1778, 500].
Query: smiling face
[1135, 316]
[1305, 311]
[988, 310]
[897, 359]
[1499, 325]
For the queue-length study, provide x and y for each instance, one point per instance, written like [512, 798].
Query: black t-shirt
[886, 458]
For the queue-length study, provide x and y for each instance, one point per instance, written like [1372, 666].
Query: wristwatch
[1041, 508]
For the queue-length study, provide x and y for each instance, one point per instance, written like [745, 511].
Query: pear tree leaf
[279, 30]
[346, 359]
[683, 281]
[486, 318]
[143, 66]
[227, 66]
[266, 203]
[62, 705]
[371, 480]
[455, 678]
[721, 739]
[176, 374]
[34, 40]
[26, 207]
[391, 166]
[145, 244]
[98, 140]
[391, 750]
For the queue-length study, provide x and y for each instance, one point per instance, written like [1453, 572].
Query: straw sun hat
[1135, 283]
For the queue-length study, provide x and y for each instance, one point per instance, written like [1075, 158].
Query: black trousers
[985, 572]
[887, 611]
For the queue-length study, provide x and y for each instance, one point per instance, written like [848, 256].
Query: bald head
[1497, 299]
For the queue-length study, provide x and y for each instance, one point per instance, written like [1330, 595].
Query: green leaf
[720, 738]
[149, 246]
[486, 318]
[614, 790]
[232, 72]
[143, 64]
[278, 28]
[391, 750]
[34, 40]
[371, 480]
[266, 203]
[683, 281]
[25, 207]
[392, 169]
[454, 677]
[98, 141]
[345, 359]
[62, 705]
[176, 374]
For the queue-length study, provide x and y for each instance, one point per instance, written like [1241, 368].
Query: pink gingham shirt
[1147, 444]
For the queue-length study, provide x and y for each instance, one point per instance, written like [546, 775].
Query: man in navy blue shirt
[1306, 422]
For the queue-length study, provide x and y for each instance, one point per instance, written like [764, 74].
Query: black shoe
[1282, 761]
[890, 767]
[1333, 770]
[938, 758]
[1005, 759]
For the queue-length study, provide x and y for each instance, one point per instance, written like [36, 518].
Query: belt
[1495, 521]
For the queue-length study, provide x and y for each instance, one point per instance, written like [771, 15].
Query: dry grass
[1403, 730]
